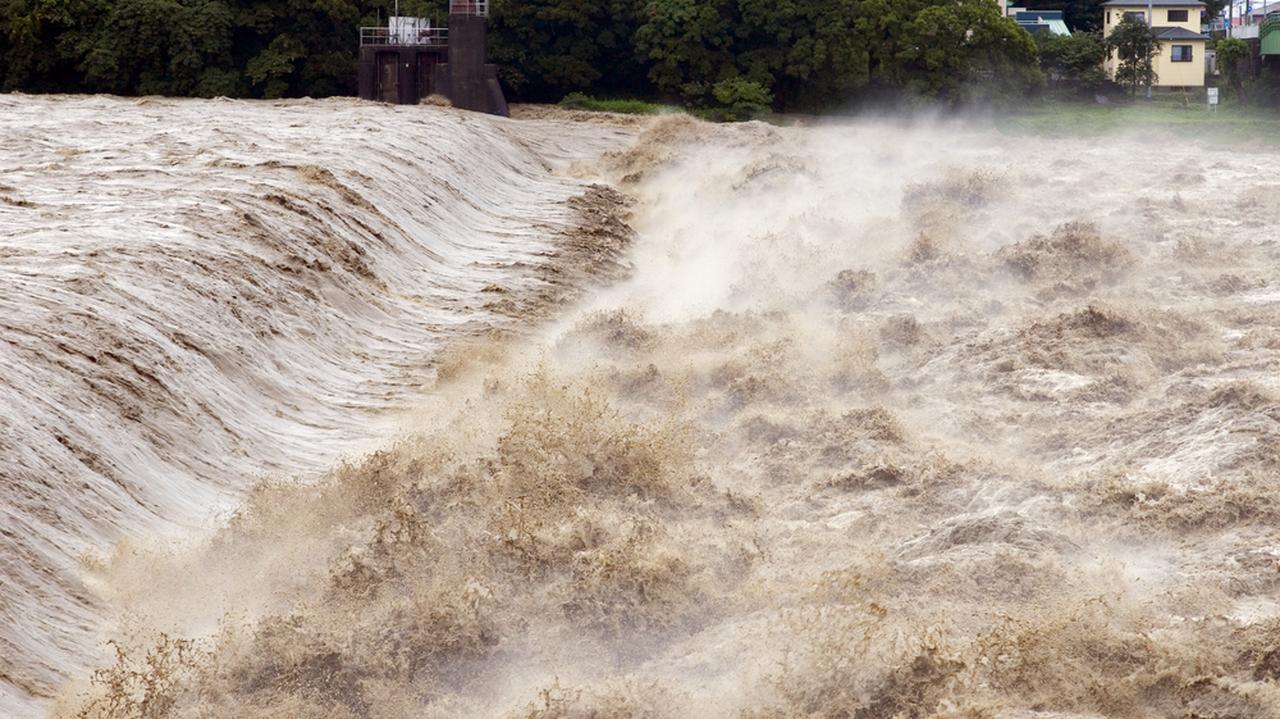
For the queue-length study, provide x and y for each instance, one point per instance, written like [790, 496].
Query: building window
[1177, 16]
[1181, 53]
[1136, 16]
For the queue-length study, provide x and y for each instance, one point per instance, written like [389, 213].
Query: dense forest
[790, 54]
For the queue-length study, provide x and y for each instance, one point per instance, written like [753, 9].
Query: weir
[409, 60]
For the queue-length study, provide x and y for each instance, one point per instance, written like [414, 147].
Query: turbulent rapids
[201, 294]
[322, 409]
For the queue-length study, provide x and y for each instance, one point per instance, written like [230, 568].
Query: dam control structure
[409, 60]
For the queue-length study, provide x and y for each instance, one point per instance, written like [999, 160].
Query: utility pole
[1151, 49]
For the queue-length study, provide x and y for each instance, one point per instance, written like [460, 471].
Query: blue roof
[1033, 22]
[1038, 14]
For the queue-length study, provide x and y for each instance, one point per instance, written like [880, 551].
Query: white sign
[1213, 96]
[408, 30]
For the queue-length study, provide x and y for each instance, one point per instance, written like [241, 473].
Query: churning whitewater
[322, 409]
[200, 294]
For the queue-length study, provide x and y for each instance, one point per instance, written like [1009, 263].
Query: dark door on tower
[389, 77]
[426, 71]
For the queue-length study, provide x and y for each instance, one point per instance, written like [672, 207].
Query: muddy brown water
[884, 420]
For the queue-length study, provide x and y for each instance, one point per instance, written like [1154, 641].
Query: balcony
[405, 34]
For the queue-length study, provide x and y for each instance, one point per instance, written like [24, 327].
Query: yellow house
[1177, 24]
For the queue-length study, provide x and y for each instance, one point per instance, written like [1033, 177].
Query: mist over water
[886, 420]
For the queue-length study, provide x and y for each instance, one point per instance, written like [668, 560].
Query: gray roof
[1156, 3]
[1177, 33]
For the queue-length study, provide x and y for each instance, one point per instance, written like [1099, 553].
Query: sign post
[1213, 98]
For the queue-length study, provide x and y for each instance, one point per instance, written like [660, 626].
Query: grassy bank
[1228, 124]
[1167, 114]
[626, 106]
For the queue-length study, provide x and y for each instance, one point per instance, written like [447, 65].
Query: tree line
[796, 55]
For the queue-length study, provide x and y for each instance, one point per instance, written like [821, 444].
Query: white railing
[469, 7]
[436, 36]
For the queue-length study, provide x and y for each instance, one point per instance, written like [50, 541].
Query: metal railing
[436, 36]
[1269, 24]
[469, 7]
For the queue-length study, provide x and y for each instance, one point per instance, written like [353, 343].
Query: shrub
[580, 101]
[1073, 62]
[741, 99]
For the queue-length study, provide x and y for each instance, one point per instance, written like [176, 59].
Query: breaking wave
[201, 294]
[886, 420]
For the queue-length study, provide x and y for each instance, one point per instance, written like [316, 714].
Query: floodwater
[883, 419]
[198, 295]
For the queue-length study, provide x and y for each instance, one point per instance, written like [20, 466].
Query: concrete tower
[409, 60]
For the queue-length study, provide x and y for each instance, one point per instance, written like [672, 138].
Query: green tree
[741, 99]
[40, 41]
[161, 47]
[184, 47]
[811, 54]
[1135, 46]
[301, 47]
[1073, 62]
[806, 54]
[546, 48]
[1231, 54]
[965, 51]
[816, 55]
[273, 68]
[689, 45]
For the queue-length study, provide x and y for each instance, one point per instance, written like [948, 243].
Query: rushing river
[323, 409]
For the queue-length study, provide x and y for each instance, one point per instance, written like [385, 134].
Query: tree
[1214, 8]
[160, 47]
[39, 43]
[813, 54]
[741, 99]
[546, 48]
[816, 54]
[1135, 46]
[793, 54]
[1073, 62]
[965, 51]
[689, 45]
[300, 47]
[1231, 52]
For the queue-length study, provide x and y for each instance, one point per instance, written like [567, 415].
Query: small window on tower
[1177, 16]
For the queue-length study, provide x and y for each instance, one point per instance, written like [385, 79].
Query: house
[1034, 21]
[1181, 61]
